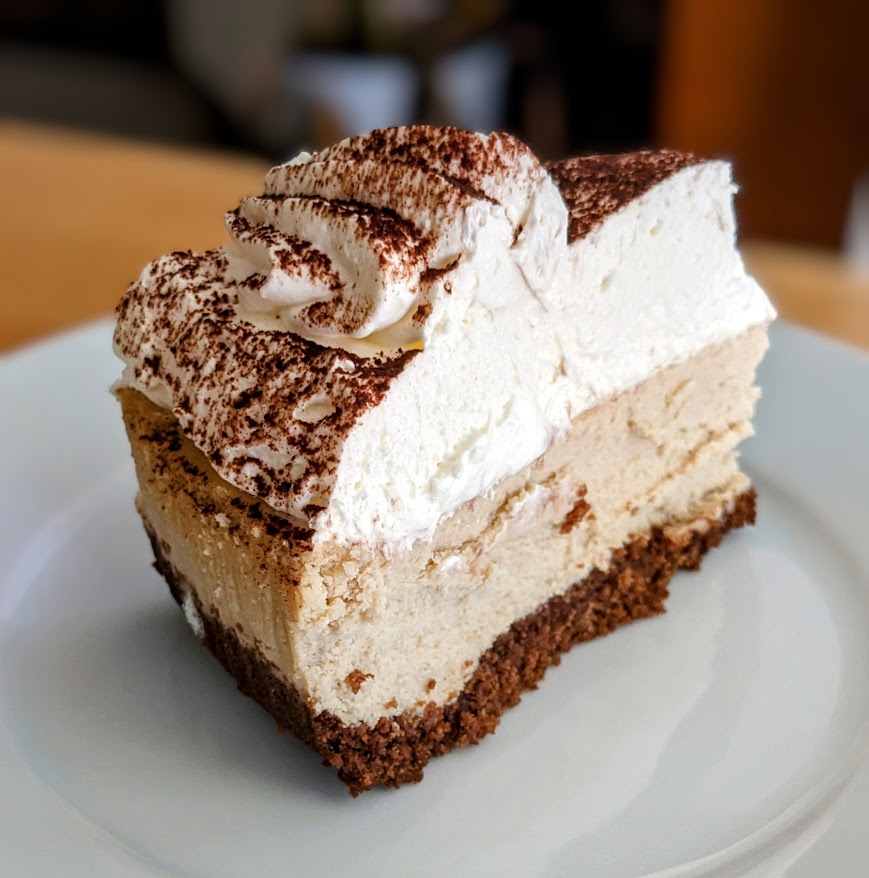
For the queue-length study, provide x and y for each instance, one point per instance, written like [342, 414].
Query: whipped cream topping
[404, 319]
[346, 242]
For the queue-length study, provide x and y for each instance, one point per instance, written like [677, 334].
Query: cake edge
[396, 749]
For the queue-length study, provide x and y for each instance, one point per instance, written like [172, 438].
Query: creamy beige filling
[363, 635]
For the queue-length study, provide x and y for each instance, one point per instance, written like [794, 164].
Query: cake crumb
[577, 513]
[431, 685]
[355, 679]
[191, 611]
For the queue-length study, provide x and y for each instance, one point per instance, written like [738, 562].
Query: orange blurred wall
[781, 87]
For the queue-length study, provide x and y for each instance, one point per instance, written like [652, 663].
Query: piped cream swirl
[346, 242]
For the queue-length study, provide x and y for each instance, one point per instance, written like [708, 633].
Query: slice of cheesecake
[435, 414]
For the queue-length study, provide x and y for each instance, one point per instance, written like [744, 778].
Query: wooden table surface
[83, 213]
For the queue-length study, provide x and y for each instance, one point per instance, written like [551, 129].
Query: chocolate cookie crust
[396, 749]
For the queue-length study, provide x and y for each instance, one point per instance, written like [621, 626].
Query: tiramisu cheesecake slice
[435, 414]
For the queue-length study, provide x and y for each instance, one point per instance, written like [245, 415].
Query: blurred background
[780, 87]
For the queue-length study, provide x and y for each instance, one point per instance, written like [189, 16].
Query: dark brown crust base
[396, 750]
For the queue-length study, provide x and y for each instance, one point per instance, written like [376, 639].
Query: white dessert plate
[726, 737]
